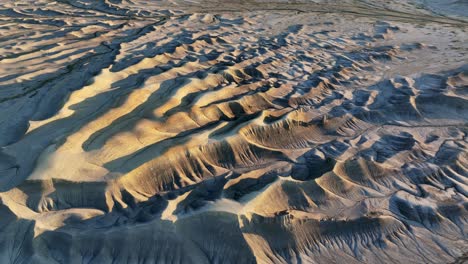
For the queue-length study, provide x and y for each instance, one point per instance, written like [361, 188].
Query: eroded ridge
[135, 133]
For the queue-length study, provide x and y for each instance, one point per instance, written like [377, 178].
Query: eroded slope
[181, 132]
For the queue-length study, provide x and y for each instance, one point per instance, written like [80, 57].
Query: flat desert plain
[243, 131]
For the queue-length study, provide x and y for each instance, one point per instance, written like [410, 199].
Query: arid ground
[211, 131]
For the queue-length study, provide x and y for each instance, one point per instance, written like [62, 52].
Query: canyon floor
[245, 131]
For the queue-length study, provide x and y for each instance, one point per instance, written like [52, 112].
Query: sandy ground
[244, 131]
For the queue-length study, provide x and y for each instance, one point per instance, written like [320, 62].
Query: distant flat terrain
[240, 131]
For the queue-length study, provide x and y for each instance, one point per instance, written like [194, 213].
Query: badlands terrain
[211, 131]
